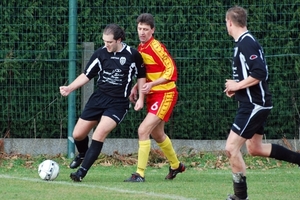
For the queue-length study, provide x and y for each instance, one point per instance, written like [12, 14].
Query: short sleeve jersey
[158, 63]
[115, 70]
[249, 60]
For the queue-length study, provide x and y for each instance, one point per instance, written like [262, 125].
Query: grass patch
[207, 176]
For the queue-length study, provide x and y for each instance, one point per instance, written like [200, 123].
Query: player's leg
[254, 145]
[159, 106]
[234, 144]
[144, 130]
[241, 130]
[105, 126]
[165, 144]
[249, 121]
[113, 112]
[81, 140]
[89, 118]
[166, 103]
[257, 148]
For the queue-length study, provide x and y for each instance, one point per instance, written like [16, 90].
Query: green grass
[267, 179]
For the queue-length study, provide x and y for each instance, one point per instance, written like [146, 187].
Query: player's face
[145, 32]
[110, 43]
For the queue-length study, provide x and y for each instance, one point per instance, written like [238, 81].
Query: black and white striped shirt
[249, 60]
[115, 70]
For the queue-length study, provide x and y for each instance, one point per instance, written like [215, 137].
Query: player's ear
[153, 30]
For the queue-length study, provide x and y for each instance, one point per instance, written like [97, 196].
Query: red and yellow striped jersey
[158, 63]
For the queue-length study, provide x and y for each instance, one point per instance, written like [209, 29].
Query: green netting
[34, 62]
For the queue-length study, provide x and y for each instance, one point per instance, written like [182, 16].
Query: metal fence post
[72, 74]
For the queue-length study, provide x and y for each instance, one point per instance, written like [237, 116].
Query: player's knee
[142, 132]
[143, 128]
[228, 151]
[231, 151]
[78, 137]
[252, 151]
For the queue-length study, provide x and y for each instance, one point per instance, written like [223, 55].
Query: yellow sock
[167, 148]
[143, 156]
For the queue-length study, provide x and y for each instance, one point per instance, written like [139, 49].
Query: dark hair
[115, 30]
[237, 15]
[146, 18]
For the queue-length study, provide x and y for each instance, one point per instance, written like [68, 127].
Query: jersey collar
[239, 38]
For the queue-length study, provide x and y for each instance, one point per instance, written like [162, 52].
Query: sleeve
[255, 60]
[141, 70]
[164, 58]
[93, 66]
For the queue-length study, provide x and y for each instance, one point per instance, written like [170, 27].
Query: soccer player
[250, 87]
[116, 65]
[161, 96]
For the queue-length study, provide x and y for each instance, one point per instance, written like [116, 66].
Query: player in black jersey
[116, 65]
[249, 85]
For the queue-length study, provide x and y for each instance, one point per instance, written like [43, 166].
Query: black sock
[92, 154]
[281, 153]
[82, 146]
[240, 186]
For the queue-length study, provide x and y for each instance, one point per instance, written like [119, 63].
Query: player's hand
[133, 95]
[139, 104]
[229, 93]
[230, 87]
[64, 90]
[146, 88]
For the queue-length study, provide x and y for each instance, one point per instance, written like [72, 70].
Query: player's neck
[120, 47]
[239, 32]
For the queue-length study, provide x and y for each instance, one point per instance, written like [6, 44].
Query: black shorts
[250, 120]
[100, 104]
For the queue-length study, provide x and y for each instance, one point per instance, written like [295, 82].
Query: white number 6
[154, 106]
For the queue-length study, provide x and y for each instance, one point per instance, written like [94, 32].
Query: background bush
[34, 62]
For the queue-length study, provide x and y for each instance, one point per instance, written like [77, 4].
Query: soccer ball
[48, 170]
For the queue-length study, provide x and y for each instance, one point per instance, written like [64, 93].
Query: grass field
[206, 177]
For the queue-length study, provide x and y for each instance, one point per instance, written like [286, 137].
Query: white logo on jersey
[253, 57]
[235, 51]
[122, 60]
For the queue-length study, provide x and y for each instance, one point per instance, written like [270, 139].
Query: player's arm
[141, 80]
[257, 68]
[147, 86]
[248, 82]
[77, 83]
[140, 101]
[159, 81]
[91, 70]
[134, 94]
[163, 58]
[232, 85]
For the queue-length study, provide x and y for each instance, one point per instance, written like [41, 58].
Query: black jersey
[249, 60]
[115, 70]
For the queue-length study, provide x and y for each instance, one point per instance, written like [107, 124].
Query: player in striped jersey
[161, 94]
[250, 87]
[116, 65]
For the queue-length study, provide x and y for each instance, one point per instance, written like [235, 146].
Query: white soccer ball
[48, 170]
